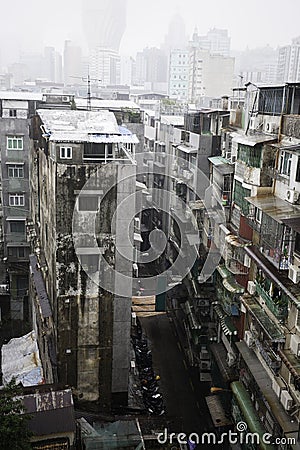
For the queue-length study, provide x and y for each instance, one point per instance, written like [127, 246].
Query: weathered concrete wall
[291, 126]
[123, 265]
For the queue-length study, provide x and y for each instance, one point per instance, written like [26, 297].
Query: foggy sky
[29, 25]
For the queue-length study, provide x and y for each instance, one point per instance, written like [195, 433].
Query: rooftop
[107, 104]
[275, 207]
[20, 95]
[83, 126]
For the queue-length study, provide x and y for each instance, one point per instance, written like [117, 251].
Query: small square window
[66, 152]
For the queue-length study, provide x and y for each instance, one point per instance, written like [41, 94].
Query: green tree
[14, 431]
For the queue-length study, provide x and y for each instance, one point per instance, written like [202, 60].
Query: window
[298, 171]
[258, 215]
[15, 171]
[87, 203]
[17, 226]
[14, 143]
[66, 152]
[16, 200]
[12, 113]
[16, 252]
[285, 163]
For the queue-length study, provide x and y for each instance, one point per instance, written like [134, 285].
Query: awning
[225, 273]
[275, 334]
[225, 322]
[275, 207]
[232, 286]
[294, 223]
[253, 140]
[251, 417]
[186, 149]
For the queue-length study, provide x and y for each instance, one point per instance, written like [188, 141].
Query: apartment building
[16, 109]
[83, 330]
[260, 262]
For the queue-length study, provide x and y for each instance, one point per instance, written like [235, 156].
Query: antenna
[88, 79]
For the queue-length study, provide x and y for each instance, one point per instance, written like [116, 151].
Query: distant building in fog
[176, 36]
[72, 63]
[53, 65]
[179, 74]
[151, 66]
[209, 75]
[104, 23]
[216, 41]
[288, 68]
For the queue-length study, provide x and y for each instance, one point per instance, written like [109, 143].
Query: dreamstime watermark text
[240, 436]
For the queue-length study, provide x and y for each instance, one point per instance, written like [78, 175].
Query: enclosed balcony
[275, 300]
[276, 238]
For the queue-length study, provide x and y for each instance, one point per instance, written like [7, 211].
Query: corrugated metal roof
[275, 207]
[254, 139]
[84, 126]
[40, 287]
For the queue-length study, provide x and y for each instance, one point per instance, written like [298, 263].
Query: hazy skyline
[29, 26]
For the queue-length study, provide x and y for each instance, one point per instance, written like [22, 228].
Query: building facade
[86, 326]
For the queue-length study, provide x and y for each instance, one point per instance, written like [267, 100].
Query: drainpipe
[282, 112]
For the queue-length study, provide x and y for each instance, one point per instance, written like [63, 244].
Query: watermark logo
[110, 205]
[240, 436]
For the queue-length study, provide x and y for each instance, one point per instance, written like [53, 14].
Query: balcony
[273, 361]
[278, 306]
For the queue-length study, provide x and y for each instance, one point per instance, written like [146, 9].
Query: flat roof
[172, 120]
[21, 95]
[275, 207]
[107, 104]
[84, 126]
[253, 139]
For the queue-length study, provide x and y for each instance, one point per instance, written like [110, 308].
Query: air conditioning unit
[187, 174]
[295, 344]
[137, 224]
[228, 155]
[278, 386]
[204, 355]
[248, 338]
[133, 319]
[204, 365]
[247, 261]
[65, 98]
[292, 196]
[294, 273]
[251, 287]
[286, 400]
